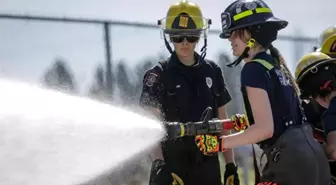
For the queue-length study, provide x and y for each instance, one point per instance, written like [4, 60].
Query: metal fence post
[109, 78]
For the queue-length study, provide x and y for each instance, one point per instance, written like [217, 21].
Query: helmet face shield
[185, 25]
[184, 21]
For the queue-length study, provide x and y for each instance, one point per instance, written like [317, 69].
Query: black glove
[162, 175]
[231, 175]
[157, 166]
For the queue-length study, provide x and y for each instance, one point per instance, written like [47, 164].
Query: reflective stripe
[268, 66]
[182, 129]
[264, 63]
[242, 15]
[250, 12]
[263, 10]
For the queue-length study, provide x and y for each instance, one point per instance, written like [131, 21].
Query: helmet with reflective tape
[184, 17]
[314, 73]
[257, 18]
[245, 13]
[308, 62]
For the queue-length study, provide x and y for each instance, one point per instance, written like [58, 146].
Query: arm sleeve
[151, 88]
[329, 124]
[312, 116]
[224, 95]
[254, 75]
[329, 117]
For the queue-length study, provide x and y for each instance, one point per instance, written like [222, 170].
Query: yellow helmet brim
[329, 46]
[191, 25]
[314, 68]
[326, 33]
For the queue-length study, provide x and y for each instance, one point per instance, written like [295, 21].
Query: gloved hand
[162, 175]
[239, 122]
[208, 144]
[231, 175]
[176, 179]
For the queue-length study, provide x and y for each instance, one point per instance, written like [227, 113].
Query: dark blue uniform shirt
[256, 75]
[329, 117]
[182, 93]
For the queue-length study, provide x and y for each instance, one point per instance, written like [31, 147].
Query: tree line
[126, 82]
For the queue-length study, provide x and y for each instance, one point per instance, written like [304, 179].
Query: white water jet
[48, 137]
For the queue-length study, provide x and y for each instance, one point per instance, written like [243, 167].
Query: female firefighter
[179, 89]
[277, 122]
[327, 45]
[315, 74]
[313, 110]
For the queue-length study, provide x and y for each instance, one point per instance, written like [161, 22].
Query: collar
[264, 56]
[174, 61]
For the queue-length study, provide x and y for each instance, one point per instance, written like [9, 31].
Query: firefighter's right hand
[239, 122]
[168, 179]
[161, 174]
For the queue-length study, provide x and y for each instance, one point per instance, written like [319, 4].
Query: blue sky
[27, 48]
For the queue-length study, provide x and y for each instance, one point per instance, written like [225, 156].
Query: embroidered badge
[151, 79]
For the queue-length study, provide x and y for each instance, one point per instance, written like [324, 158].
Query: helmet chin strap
[203, 50]
[250, 44]
[167, 44]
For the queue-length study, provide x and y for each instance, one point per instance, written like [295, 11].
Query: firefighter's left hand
[208, 144]
[231, 174]
[239, 122]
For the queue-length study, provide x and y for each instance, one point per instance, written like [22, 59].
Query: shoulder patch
[151, 79]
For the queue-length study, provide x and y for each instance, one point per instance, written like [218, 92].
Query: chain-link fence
[31, 43]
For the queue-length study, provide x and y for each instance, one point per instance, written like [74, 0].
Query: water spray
[48, 137]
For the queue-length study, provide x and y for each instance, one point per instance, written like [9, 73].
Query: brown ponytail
[280, 61]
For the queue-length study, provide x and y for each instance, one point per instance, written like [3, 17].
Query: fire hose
[214, 126]
[206, 126]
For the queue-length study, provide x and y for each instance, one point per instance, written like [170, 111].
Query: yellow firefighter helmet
[309, 63]
[326, 33]
[184, 17]
[329, 46]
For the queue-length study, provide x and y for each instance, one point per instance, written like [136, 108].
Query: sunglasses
[179, 39]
